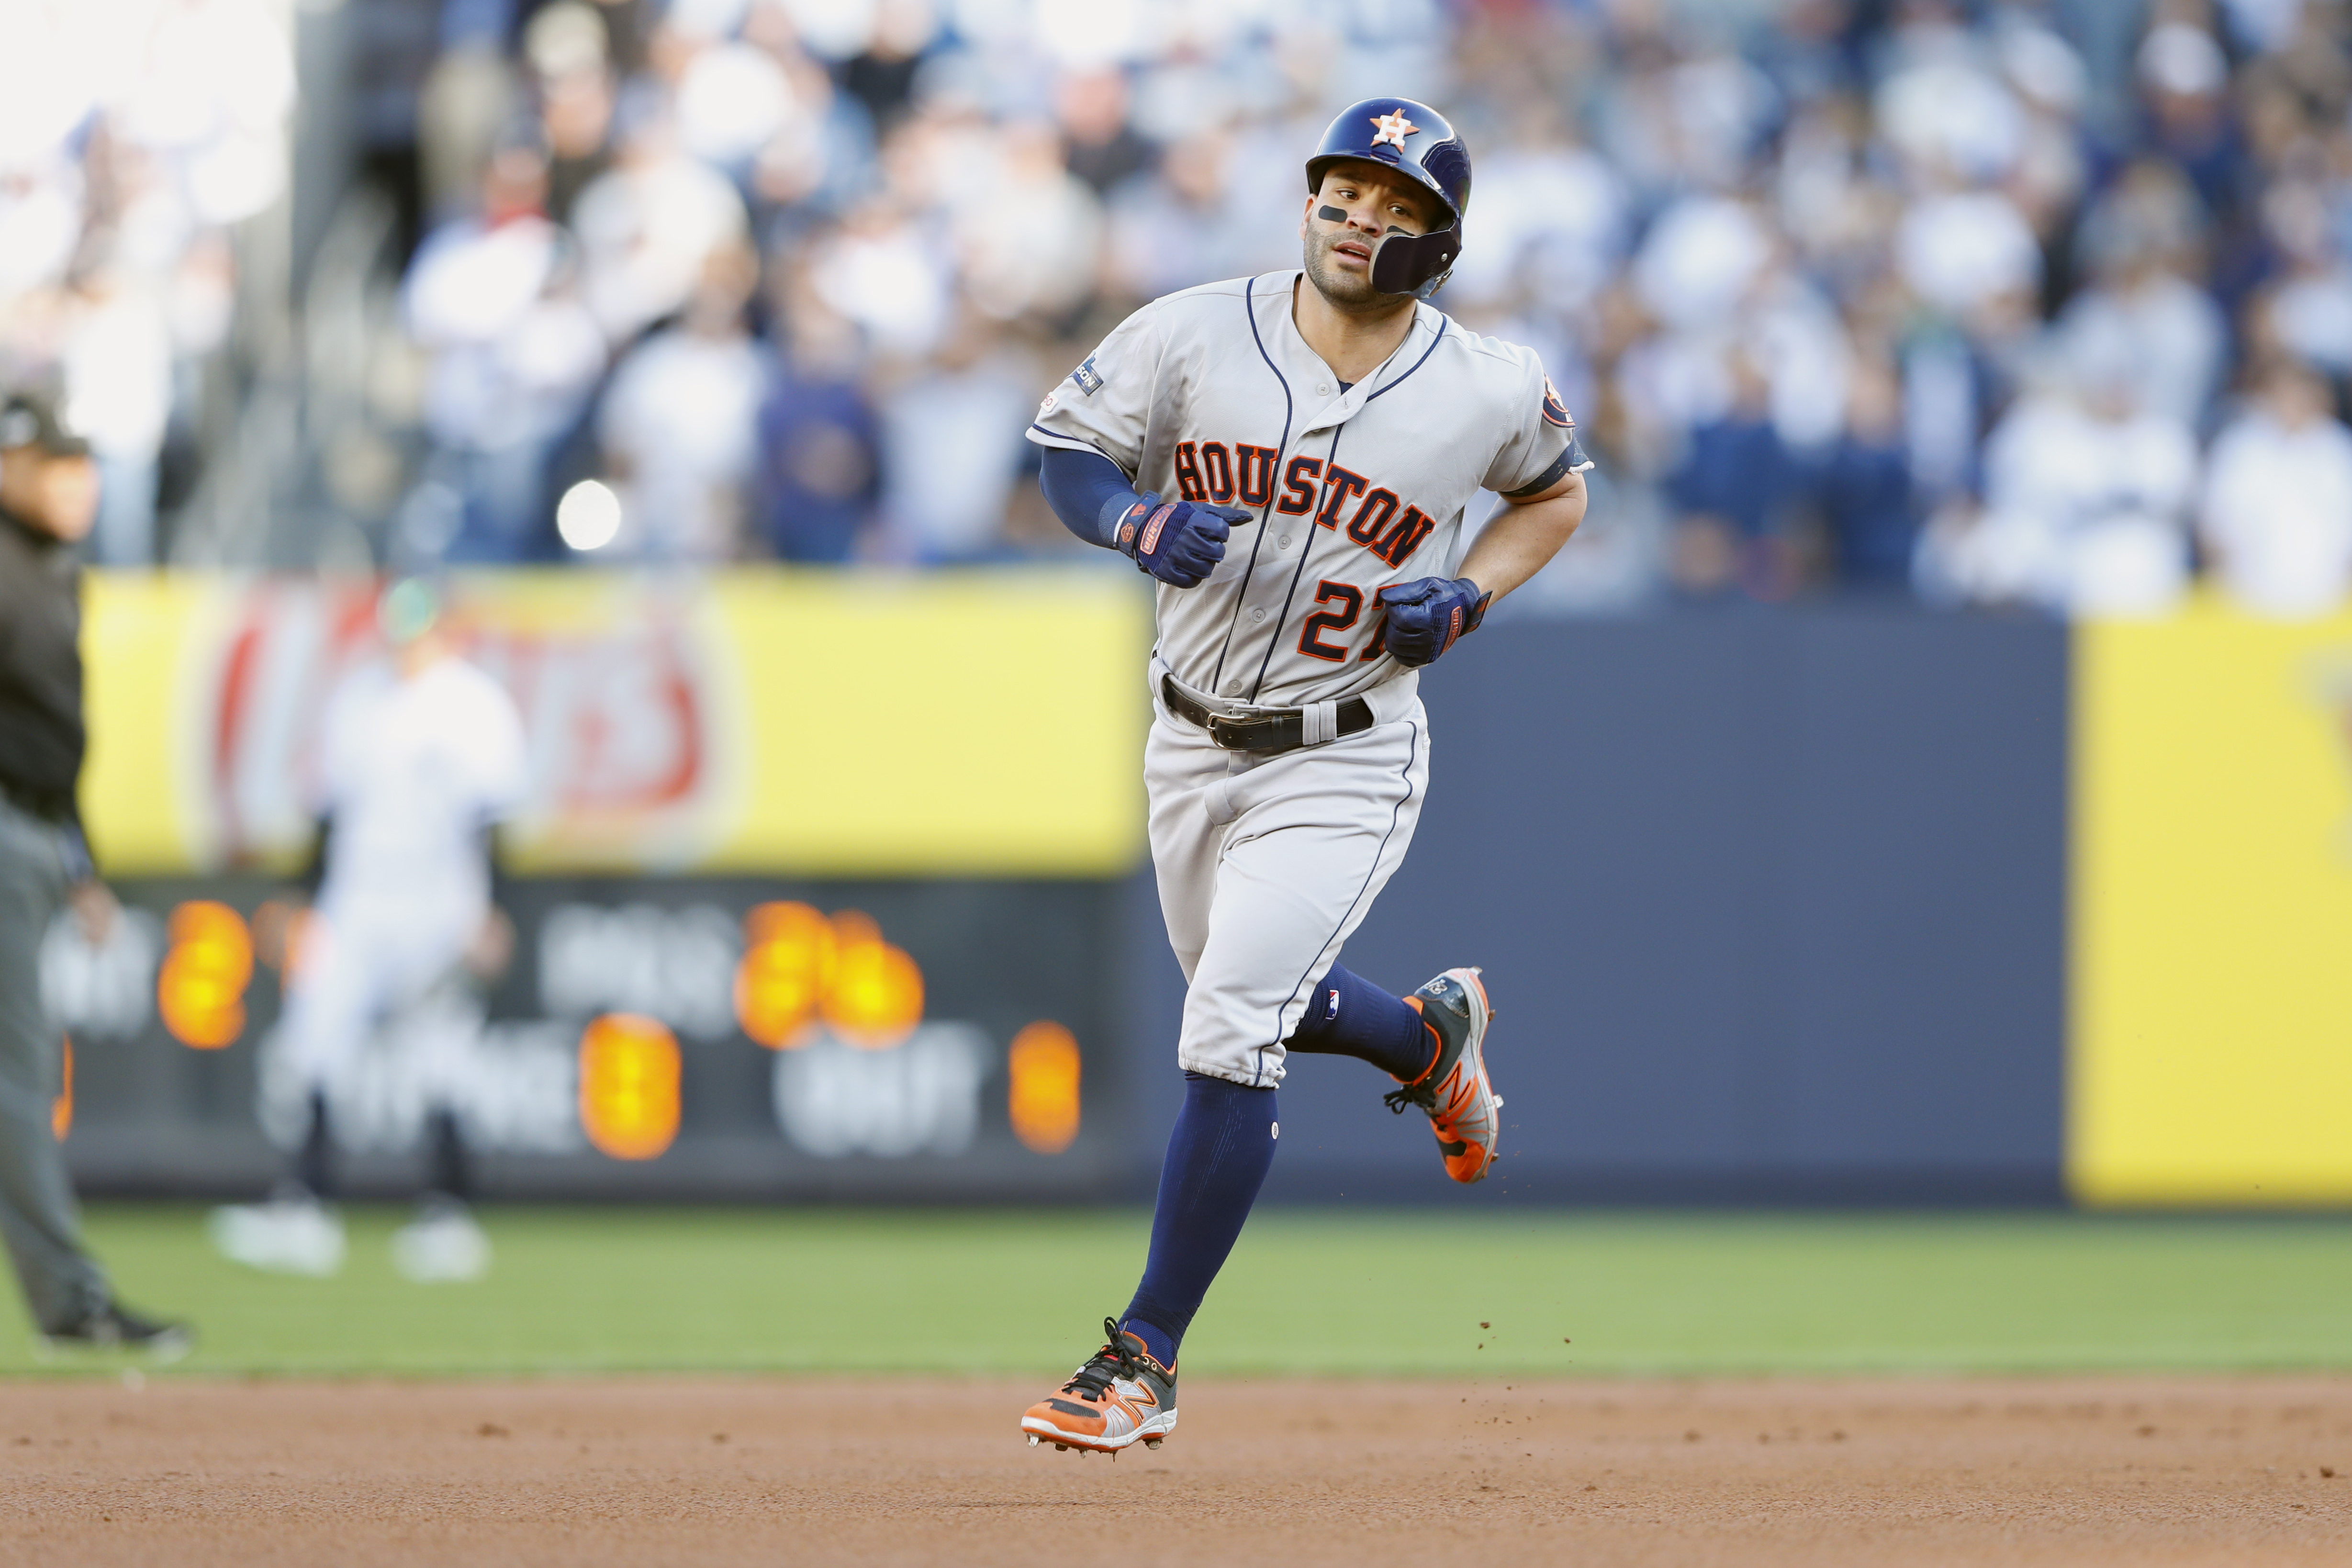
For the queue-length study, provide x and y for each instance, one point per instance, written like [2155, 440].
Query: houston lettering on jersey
[1241, 474]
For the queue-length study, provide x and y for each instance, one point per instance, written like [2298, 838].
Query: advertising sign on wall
[2211, 962]
[815, 722]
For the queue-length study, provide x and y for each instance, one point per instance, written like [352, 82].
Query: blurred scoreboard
[657, 1037]
[815, 900]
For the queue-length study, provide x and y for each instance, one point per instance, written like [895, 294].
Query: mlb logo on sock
[1333, 1010]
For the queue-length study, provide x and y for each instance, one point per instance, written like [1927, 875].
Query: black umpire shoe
[112, 1328]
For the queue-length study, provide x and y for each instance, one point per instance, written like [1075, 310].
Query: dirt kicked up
[2073, 1471]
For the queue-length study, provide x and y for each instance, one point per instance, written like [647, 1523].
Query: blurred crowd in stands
[134, 139]
[2025, 302]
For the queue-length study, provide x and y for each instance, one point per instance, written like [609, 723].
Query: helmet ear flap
[1415, 263]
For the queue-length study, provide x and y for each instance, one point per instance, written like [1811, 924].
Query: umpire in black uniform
[49, 498]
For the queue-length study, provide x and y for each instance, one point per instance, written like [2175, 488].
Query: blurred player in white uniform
[421, 758]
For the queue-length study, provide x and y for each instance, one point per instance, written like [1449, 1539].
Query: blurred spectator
[1173, 228]
[133, 138]
[882, 78]
[1964, 251]
[2086, 501]
[2307, 312]
[2277, 516]
[649, 225]
[466, 103]
[953, 444]
[1104, 148]
[1867, 499]
[117, 360]
[1734, 490]
[1030, 231]
[2142, 311]
[567, 44]
[2185, 78]
[680, 420]
[515, 353]
[820, 458]
[1549, 225]
[883, 273]
[1699, 259]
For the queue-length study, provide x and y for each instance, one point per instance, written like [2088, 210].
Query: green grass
[1363, 1292]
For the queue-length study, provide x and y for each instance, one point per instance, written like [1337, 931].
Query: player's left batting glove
[1177, 542]
[1427, 617]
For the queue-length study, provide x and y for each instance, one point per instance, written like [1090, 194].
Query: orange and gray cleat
[1455, 1088]
[1121, 1397]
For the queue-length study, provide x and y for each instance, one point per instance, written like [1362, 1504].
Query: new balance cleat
[1121, 1397]
[1455, 1089]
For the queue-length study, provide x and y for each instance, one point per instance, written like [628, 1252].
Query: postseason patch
[1088, 378]
[1555, 412]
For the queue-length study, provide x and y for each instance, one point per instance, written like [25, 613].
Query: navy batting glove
[1426, 618]
[1177, 542]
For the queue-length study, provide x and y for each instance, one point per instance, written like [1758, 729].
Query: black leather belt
[1268, 729]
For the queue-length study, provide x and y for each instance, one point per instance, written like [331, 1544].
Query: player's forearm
[1087, 490]
[1521, 539]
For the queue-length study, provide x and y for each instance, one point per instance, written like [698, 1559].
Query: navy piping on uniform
[1281, 450]
[1296, 573]
[1413, 755]
[1082, 441]
[1422, 361]
[1331, 457]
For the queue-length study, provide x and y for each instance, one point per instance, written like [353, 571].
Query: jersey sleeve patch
[1555, 412]
[1089, 380]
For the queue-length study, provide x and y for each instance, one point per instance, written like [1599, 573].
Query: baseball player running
[1304, 445]
[420, 760]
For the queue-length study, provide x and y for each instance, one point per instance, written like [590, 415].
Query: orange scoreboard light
[200, 989]
[800, 968]
[1043, 1097]
[876, 997]
[789, 958]
[629, 1070]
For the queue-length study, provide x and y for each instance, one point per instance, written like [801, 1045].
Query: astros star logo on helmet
[1393, 127]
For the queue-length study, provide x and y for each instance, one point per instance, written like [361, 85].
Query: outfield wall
[1827, 903]
[1772, 904]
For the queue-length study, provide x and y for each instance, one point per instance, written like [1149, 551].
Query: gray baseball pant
[63, 1284]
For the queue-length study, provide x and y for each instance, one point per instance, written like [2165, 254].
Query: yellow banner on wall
[817, 722]
[2211, 946]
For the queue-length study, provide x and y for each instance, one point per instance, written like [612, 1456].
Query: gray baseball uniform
[1266, 862]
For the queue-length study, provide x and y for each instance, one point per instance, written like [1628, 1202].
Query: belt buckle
[1218, 732]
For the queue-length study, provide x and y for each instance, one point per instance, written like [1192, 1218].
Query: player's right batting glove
[1428, 616]
[1177, 542]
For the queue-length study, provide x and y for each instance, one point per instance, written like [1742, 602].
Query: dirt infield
[2078, 1470]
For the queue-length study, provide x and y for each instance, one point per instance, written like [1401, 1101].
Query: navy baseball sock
[1217, 1160]
[1350, 1016]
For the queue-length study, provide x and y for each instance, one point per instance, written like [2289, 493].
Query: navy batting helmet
[1412, 138]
